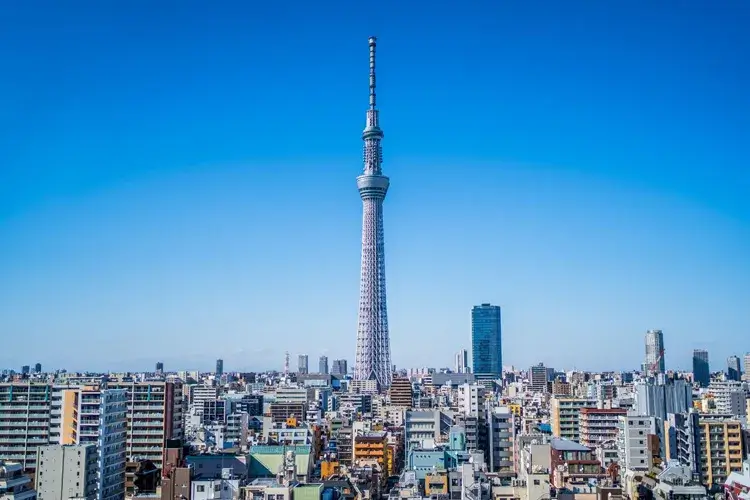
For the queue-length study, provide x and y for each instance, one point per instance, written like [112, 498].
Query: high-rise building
[486, 342]
[302, 364]
[373, 357]
[25, 369]
[323, 365]
[14, 485]
[462, 361]
[159, 368]
[154, 413]
[339, 367]
[38, 368]
[734, 368]
[654, 362]
[400, 393]
[24, 422]
[701, 372]
[219, 367]
[746, 367]
[538, 377]
[102, 422]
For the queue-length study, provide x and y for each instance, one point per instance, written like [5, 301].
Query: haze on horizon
[177, 183]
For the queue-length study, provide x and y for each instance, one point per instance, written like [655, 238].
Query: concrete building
[633, 442]
[102, 423]
[683, 440]
[746, 367]
[303, 366]
[67, 471]
[14, 485]
[721, 448]
[400, 393]
[565, 415]
[471, 399]
[25, 410]
[729, 397]
[658, 400]
[538, 378]
[154, 415]
[499, 453]
[421, 425]
[599, 426]
[219, 368]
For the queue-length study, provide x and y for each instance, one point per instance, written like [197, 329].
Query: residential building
[565, 415]
[599, 426]
[721, 448]
[421, 425]
[303, 367]
[14, 485]
[400, 393]
[746, 367]
[654, 363]
[633, 442]
[471, 399]
[25, 409]
[67, 471]
[683, 439]
[486, 341]
[372, 447]
[729, 397]
[154, 415]
[500, 433]
[102, 423]
[701, 371]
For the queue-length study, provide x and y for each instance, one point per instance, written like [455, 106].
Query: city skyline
[200, 191]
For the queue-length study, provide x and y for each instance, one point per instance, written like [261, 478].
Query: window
[217, 487]
[536, 482]
[200, 488]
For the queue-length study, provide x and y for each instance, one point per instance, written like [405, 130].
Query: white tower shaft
[373, 358]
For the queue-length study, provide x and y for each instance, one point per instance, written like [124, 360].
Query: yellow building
[373, 447]
[564, 416]
[515, 409]
[721, 448]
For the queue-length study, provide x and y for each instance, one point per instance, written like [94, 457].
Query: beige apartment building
[565, 416]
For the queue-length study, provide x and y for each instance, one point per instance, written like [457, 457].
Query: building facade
[303, 367]
[67, 471]
[654, 362]
[701, 371]
[486, 341]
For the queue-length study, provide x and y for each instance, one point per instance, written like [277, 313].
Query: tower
[373, 357]
[654, 363]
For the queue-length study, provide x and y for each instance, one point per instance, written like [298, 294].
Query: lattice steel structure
[373, 359]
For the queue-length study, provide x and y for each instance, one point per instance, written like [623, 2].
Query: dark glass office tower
[701, 373]
[486, 342]
[734, 368]
[219, 367]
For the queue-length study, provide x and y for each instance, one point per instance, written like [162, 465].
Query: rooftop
[561, 444]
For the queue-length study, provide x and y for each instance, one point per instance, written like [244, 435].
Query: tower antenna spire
[372, 41]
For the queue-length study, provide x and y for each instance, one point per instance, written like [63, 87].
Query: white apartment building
[66, 471]
[470, 399]
[729, 397]
[24, 422]
[632, 442]
[102, 422]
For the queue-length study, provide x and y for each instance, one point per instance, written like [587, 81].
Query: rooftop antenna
[373, 41]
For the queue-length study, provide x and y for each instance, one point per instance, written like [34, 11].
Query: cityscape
[475, 426]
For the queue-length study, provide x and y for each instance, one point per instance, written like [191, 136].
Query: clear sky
[177, 179]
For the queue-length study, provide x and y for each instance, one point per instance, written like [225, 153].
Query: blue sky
[177, 181]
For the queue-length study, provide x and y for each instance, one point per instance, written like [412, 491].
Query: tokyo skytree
[373, 360]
